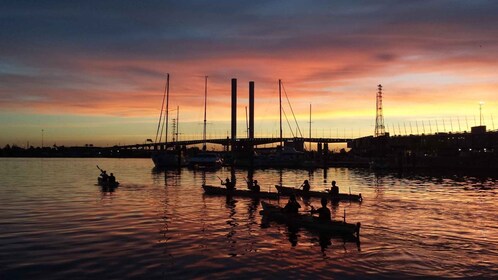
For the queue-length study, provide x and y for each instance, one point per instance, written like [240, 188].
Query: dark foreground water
[55, 223]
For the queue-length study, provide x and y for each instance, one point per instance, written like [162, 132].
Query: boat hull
[166, 160]
[341, 197]
[309, 222]
[205, 161]
[103, 184]
[213, 190]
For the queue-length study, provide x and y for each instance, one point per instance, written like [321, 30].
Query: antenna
[379, 119]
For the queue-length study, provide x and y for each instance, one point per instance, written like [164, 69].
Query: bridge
[227, 141]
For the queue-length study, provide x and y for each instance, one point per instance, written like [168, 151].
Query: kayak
[107, 184]
[213, 190]
[282, 190]
[309, 222]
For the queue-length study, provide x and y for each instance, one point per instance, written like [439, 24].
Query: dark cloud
[49, 47]
[180, 29]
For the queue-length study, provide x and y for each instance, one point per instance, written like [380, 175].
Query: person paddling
[255, 187]
[104, 176]
[323, 212]
[292, 206]
[112, 179]
[306, 186]
[334, 190]
[229, 185]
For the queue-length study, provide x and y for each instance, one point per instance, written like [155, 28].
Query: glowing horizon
[96, 73]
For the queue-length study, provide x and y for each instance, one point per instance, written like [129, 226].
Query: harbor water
[56, 223]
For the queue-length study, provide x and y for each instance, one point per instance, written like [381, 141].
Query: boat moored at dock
[205, 160]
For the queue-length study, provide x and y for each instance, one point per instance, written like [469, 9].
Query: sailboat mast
[310, 127]
[205, 109]
[167, 108]
[280, 107]
[177, 122]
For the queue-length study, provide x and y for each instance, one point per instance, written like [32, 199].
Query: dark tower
[379, 119]
[251, 109]
[234, 113]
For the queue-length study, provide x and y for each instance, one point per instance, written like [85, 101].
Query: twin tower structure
[234, 111]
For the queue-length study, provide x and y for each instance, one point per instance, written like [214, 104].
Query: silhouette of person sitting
[306, 186]
[104, 176]
[255, 186]
[334, 190]
[112, 179]
[323, 212]
[229, 185]
[292, 206]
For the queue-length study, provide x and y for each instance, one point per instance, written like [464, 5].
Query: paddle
[247, 183]
[302, 200]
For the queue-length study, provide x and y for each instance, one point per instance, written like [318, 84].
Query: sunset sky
[94, 71]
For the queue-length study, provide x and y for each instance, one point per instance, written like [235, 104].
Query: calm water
[56, 223]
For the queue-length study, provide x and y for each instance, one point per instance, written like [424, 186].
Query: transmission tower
[379, 119]
[175, 134]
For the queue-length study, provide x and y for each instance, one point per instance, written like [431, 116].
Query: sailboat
[205, 159]
[284, 156]
[165, 158]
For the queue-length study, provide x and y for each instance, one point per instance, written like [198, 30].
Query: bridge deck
[225, 141]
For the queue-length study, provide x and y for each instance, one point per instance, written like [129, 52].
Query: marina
[248, 140]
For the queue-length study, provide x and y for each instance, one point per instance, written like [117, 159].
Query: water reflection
[253, 208]
[165, 237]
[107, 191]
[158, 225]
[232, 223]
[166, 177]
[292, 234]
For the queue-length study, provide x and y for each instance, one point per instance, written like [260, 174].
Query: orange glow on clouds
[434, 62]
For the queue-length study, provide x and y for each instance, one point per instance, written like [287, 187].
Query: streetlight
[480, 112]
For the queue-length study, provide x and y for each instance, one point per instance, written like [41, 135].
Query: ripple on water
[159, 225]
